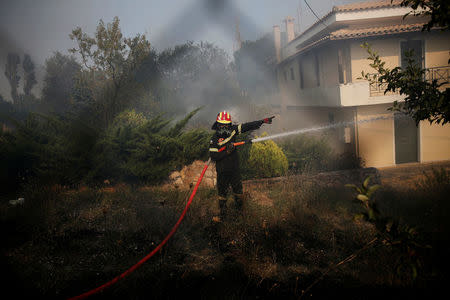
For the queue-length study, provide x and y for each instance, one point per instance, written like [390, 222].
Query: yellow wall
[304, 117]
[375, 139]
[291, 87]
[435, 142]
[388, 49]
[437, 49]
[328, 62]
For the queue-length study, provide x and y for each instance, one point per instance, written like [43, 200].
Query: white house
[319, 77]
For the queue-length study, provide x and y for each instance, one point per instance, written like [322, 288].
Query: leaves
[12, 74]
[110, 62]
[435, 10]
[362, 197]
[392, 233]
[140, 149]
[266, 159]
[372, 190]
[424, 99]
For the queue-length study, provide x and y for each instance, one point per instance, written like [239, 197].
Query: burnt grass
[291, 241]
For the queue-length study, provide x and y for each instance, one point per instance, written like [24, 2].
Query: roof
[347, 33]
[351, 32]
[360, 33]
[366, 5]
[355, 7]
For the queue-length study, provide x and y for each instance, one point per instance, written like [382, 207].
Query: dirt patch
[399, 176]
[406, 176]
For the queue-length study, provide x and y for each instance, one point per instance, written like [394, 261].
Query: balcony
[441, 74]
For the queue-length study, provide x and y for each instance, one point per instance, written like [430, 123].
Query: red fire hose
[139, 263]
[235, 144]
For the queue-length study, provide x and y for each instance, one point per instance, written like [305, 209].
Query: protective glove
[230, 147]
[268, 120]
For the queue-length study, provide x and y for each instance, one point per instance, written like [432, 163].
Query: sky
[41, 27]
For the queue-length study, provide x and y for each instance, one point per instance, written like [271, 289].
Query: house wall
[298, 117]
[304, 117]
[388, 49]
[375, 139]
[437, 49]
[325, 94]
[435, 142]
[328, 62]
[289, 89]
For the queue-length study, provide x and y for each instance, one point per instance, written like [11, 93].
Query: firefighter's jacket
[229, 162]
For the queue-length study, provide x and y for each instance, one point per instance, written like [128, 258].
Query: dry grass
[64, 242]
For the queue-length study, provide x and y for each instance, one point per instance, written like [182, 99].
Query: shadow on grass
[64, 242]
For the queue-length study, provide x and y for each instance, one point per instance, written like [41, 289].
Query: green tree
[29, 75]
[436, 10]
[255, 67]
[195, 74]
[11, 72]
[424, 100]
[6, 109]
[110, 61]
[140, 149]
[61, 73]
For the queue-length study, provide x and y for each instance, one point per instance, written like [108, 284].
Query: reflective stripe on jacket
[229, 162]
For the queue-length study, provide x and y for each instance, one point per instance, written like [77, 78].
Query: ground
[296, 233]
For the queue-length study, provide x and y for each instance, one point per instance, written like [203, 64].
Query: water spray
[319, 128]
[305, 130]
[177, 224]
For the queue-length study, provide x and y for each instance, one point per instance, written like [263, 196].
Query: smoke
[9, 45]
[318, 128]
[213, 18]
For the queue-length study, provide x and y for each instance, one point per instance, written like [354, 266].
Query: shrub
[52, 149]
[266, 159]
[306, 153]
[138, 149]
[309, 153]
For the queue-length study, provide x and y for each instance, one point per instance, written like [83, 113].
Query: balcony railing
[441, 74]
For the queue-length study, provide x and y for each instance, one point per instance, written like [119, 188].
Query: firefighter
[227, 161]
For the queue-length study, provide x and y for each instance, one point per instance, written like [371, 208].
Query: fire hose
[171, 233]
[148, 256]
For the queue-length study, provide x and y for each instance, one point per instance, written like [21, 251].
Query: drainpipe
[277, 42]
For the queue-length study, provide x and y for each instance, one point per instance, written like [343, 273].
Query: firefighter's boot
[222, 210]
[239, 201]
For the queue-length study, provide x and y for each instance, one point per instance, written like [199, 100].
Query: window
[413, 46]
[300, 71]
[316, 67]
[341, 66]
[309, 71]
[285, 75]
[331, 117]
[292, 74]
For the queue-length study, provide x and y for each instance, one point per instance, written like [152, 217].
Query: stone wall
[187, 177]
[405, 175]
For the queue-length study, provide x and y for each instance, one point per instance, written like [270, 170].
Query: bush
[306, 153]
[266, 159]
[309, 153]
[63, 150]
[138, 149]
[50, 149]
